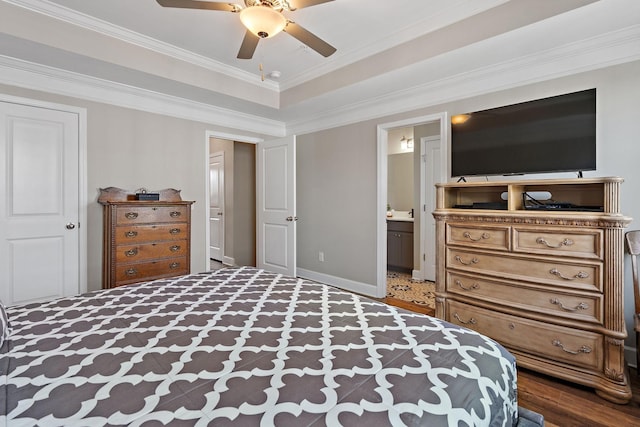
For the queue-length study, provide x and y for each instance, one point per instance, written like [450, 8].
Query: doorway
[231, 184]
[259, 202]
[430, 162]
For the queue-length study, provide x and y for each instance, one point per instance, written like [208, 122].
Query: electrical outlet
[321, 256]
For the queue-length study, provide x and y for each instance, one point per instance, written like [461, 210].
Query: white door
[39, 203]
[216, 206]
[430, 174]
[276, 205]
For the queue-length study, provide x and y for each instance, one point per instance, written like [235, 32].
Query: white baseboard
[227, 260]
[338, 282]
[416, 275]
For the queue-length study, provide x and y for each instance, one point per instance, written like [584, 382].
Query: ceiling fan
[263, 19]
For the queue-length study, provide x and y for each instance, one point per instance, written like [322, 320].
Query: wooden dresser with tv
[144, 239]
[543, 278]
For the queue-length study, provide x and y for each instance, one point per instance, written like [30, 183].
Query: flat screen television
[556, 134]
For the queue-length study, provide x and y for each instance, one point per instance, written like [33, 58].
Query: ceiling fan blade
[194, 4]
[249, 44]
[310, 39]
[299, 4]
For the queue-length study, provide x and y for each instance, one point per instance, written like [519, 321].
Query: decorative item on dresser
[144, 239]
[547, 281]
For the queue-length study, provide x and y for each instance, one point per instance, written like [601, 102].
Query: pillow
[4, 325]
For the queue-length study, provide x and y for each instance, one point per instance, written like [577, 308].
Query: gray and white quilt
[246, 347]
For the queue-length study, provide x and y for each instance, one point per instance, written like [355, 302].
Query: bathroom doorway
[400, 201]
[430, 140]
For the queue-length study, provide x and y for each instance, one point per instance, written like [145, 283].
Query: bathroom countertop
[400, 217]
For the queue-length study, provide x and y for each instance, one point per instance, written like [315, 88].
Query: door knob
[70, 226]
[292, 218]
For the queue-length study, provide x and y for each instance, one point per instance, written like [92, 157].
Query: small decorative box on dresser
[144, 239]
[544, 278]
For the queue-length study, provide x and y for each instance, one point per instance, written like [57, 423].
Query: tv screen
[556, 134]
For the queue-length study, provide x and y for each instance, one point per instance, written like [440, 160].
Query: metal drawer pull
[581, 306]
[471, 321]
[174, 265]
[175, 214]
[565, 242]
[583, 349]
[174, 231]
[467, 235]
[473, 260]
[580, 275]
[131, 233]
[131, 215]
[131, 272]
[174, 248]
[131, 252]
[470, 288]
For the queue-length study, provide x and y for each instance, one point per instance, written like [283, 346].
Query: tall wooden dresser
[545, 279]
[144, 239]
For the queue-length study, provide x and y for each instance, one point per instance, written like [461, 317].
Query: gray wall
[244, 198]
[336, 201]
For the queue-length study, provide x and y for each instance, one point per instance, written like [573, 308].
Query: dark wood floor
[564, 404]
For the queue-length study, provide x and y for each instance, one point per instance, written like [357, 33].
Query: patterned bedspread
[245, 347]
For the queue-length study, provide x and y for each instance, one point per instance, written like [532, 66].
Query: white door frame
[82, 175]
[381, 204]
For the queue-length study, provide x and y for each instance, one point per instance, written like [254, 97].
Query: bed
[246, 347]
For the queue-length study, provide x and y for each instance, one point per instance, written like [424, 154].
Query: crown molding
[87, 22]
[606, 50]
[603, 51]
[28, 75]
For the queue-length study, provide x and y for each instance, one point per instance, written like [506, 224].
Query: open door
[216, 206]
[430, 175]
[276, 205]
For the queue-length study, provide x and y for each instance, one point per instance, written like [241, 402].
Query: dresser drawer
[575, 306]
[148, 233]
[573, 274]
[479, 236]
[130, 273]
[143, 214]
[148, 251]
[576, 347]
[558, 242]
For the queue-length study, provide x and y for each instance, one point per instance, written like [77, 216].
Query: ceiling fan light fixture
[263, 21]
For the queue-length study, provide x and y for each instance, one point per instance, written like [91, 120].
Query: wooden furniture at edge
[548, 285]
[144, 239]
